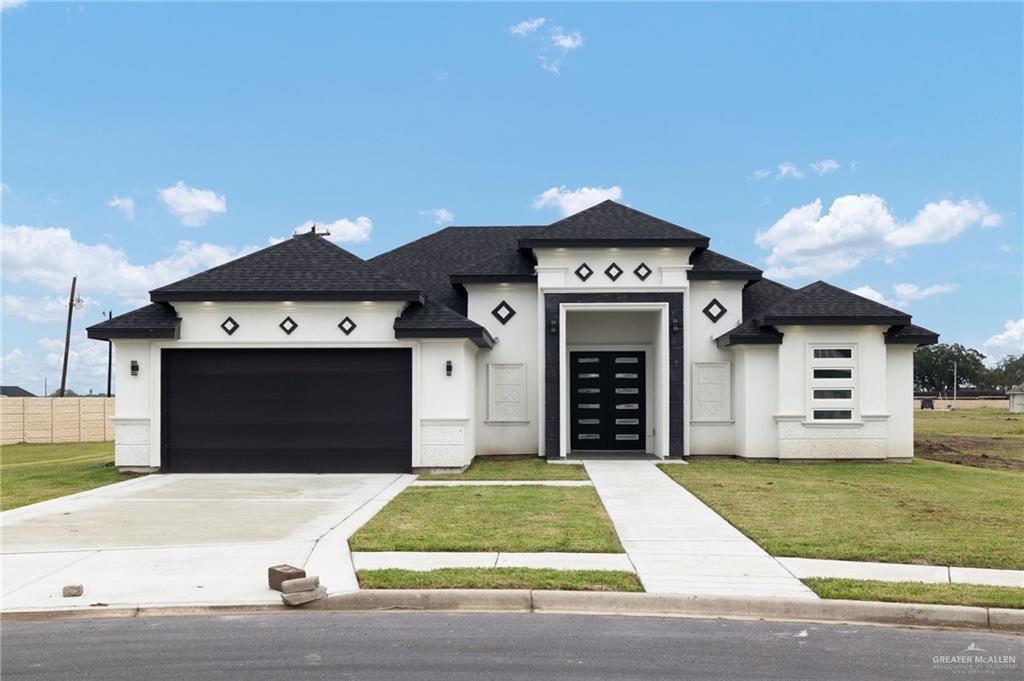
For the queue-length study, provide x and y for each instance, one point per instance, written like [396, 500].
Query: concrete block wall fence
[56, 419]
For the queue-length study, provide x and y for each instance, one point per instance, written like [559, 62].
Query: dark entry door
[607, 400]
[295, 411]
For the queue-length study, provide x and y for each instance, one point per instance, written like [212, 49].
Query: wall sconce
[135, 368]
[448, 368]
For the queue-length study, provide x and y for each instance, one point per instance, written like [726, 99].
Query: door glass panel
[625, 375]
[589, 375]
[626, 360]
[627, 422]
[627, 406]
[588, 422]
[587, 360]
[588, 436]
[627, 436]
[590, 406]
[588, 391]
[627, 391]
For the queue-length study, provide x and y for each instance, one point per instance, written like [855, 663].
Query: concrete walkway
[432, 560]
[897, 572]
[679, 545]
[186, 539]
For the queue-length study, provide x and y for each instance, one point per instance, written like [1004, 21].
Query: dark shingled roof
[429, 262]
[757, 298]
[708, 264]
[305, 267]
[433, 320]
[911, 334]
[821, 303]
[14, 391]
[612, 224]
[156, 320]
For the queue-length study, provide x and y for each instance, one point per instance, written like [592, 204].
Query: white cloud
[5, 188]
[568, 201]
[10, 4]
[914, 292]
[807, 242]
[192, 206]
[1006, 248]
[47, 257]
[1009, 342]
[125, 205]
[527, 26]
[342, 230]
[824, 166]
[440, 216]
[45, 309]
[762, 173]
[872, 294]
[788, 170]
[566, 41]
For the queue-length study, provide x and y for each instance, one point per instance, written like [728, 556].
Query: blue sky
[142, 142]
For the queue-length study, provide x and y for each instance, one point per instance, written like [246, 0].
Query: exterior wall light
[448, 368]
[135, 368]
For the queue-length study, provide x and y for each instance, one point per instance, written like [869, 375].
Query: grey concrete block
[281, 573]
[72, 591]
[1006, 619]
[300, 597]
[290, 586]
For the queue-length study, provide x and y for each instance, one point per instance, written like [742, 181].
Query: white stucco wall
[447, 404]
[516, 345]
[899, 361]
[757, 371]
[556, 267]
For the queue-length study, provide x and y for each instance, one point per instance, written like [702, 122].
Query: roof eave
[159, 296]
[728, 340]
[695, 275]
[551, 242]
[137, 333]
[480, 336]
[491, 278]
[833, 320]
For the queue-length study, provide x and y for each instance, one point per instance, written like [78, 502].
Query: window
[506, 393]
[832, 383]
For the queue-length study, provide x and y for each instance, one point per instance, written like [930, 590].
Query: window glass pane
[833, 394]
[833, 414]
[833, 353]
[833, 373]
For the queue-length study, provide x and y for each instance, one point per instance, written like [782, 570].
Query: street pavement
[304, 646]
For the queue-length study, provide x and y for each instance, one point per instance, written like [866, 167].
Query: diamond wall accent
[288, 325]
[503, 312]
[613, 271]
[642, 271]
[584, 272]
[229, 325]
[714, 310]
[347, 326]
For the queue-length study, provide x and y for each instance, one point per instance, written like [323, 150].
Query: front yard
[922, 512]
[985, 438]
[527, 519]
[918, 592]
[36, 472]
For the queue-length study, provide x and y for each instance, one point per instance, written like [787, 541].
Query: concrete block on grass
[72, 591]
[300, 597]
[290, 586]
[281, 573]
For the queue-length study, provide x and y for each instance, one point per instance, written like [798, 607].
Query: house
[14, 391]
[607, 331]
[1016, 397]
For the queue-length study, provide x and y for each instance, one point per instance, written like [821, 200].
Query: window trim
[851, 363]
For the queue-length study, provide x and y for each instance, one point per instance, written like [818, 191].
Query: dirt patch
[968, 451]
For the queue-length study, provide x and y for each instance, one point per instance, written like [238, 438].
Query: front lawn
[513, 468]
[918, 592]
[985, 438]
[501, 578]
[35, 472]
[528, 518]
[922, 512]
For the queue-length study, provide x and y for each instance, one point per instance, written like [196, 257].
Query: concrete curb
[597, 603]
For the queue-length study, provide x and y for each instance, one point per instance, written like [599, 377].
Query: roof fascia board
[268, 296]
[693, 242]
[838, 320]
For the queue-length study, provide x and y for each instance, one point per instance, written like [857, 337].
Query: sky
[876, 146]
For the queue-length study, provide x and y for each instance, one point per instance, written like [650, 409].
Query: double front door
[607, 400]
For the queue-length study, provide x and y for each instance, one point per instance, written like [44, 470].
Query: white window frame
[846, 403]
[521, 417]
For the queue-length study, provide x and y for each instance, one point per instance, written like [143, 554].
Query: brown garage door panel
[321, 410]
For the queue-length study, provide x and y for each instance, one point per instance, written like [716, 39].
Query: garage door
[295, 411]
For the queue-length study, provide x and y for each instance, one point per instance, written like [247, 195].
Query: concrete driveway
[186, 539]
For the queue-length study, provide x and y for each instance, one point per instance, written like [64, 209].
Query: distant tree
[68, 392]
[1008, 372]
[933, 368]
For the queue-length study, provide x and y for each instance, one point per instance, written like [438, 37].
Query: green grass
[513, 468]
[528, 518]
[501, 578]
[984, 438]
[922, 512]
[36, 472]
[918, 592]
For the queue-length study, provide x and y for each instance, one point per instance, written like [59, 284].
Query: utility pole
[72, 304]
[110, 353]
[954, 385]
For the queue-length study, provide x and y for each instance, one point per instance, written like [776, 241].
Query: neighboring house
[609, 330]
[1016, 396]
[14, 391]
